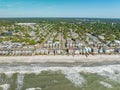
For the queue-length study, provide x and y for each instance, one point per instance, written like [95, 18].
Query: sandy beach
[58, 59]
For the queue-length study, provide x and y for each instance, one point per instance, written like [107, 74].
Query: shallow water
[79, 76]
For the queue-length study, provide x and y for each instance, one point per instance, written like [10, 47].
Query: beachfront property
[46, 38]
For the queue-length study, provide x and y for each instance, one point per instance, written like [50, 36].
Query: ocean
[53, 76]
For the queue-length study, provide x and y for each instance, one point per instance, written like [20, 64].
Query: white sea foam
[73, 76]
[34, 88]
[111, 72]
[107, 85]
[5, 86]
[9, 74]
[20, 79]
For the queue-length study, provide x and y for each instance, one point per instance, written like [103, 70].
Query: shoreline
[59, 59]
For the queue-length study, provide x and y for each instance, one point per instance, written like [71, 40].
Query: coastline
[59, 59]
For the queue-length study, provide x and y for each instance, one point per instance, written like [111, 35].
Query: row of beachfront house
[58, 51]
[28, 51]
[16, 51]
[45, 51]
[94, 50]
[80, 44]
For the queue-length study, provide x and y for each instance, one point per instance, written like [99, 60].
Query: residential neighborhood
[61, 38]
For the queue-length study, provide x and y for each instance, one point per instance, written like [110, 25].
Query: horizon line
[67, 17]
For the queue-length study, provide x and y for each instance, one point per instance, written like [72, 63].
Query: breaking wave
[5, 86]
[111, 72]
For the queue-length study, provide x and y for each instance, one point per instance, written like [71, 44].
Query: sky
[60, 8]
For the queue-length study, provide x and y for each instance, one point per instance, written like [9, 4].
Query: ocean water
[79, 76]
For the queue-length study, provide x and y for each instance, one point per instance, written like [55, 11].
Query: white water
[19, 82]
[107, 85]
[34, 88]
[111, 72]
[73, 76]
[5, 86]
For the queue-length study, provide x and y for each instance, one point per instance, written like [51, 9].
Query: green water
[49, 80]
[39, 77]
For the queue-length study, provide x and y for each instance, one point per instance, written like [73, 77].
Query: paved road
[46, 39]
